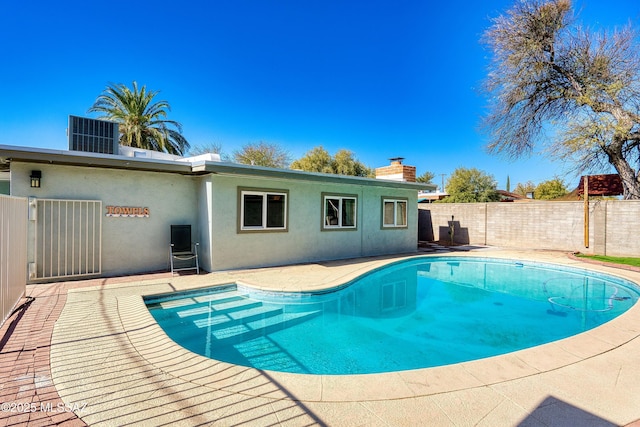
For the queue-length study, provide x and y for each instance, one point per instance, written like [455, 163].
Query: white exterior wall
[13, 253]
[205, 222]
[304, 241]
[210, 204]
[129, 244]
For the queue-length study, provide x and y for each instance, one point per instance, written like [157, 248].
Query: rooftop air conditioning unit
[93, 136]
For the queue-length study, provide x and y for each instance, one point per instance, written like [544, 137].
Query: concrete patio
[92, 350]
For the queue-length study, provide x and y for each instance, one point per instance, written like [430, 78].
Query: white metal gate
[13, 253]
[68, 238]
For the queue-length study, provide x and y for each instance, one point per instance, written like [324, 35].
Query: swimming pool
[423, 312]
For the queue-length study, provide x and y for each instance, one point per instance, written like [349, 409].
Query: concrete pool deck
[112, 363]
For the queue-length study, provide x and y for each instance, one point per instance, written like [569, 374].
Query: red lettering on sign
[127, 211]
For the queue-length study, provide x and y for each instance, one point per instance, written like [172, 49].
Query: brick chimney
[396, 171]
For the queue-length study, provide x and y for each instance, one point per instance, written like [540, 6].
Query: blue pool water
[418, 313]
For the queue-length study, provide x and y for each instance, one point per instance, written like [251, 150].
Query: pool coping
[147, 337]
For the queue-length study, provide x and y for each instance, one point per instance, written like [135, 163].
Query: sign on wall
[127, 212]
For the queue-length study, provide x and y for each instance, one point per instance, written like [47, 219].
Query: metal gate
[68, 238]
[13, 253]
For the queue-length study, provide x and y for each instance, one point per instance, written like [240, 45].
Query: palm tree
[141, 120]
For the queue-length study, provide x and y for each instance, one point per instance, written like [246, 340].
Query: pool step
[231, 316]
[283, 320]
[246, 329]
[219, 302]
[231, 321]
[247, 313]
[213, 298]
[268, 354]
[220, 297]
[227, 308]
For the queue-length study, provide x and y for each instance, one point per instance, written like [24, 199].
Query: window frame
[395, 201]
[341, 197]
[265, 193]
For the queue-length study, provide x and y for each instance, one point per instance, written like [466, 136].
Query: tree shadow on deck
[553, 412]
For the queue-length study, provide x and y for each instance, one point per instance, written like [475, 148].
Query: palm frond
[142, 119]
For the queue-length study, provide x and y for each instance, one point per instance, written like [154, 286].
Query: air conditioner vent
[93, 136]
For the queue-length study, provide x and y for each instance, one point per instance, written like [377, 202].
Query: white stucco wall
[210, 204]
[128, 244]
[205, 222]
[304, 241]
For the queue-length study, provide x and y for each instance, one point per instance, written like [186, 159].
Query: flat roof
[10, 154]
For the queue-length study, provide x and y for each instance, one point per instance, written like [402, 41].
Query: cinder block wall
[469, 221]
[613, 225]
[543, 225]
[622, 226]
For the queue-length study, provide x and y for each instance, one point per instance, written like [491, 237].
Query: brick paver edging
[27, 393]
[28, 396]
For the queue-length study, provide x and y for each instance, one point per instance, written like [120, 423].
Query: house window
[263, 210]
[339, 212]
[394, 213]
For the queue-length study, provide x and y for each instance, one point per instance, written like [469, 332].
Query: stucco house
[110, 214]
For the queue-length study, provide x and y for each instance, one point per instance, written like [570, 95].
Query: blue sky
[380, 78]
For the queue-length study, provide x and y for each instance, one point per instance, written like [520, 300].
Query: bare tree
[550, 74]
[210, 147]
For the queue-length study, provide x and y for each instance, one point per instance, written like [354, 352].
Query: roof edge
[227, 168]
[10, 153]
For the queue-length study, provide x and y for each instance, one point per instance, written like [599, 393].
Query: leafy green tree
[551, 189]
[549, 74]
[262, 154]
[426, 178]
[508, 184]
[469, 186]
[524, 189]
[316, 160]
[142, 120]
[343, 163]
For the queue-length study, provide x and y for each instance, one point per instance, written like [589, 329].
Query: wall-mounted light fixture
[36, 176]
